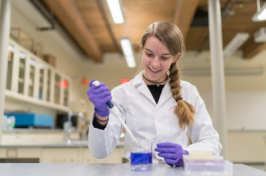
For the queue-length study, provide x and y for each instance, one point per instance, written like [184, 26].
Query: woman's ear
[176, 58]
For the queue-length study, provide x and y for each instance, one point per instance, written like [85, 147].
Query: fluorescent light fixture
[116, 11]
[260, 35]
[261, 13]
[128, 52]
[235, 43]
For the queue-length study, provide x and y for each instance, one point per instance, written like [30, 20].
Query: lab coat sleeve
[202, 133]
[103, 142]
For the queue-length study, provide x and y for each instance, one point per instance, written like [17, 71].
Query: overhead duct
[228, 72]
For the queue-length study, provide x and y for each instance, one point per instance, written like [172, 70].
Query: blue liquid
[141, 161]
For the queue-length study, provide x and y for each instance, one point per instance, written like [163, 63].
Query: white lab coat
[148, 120]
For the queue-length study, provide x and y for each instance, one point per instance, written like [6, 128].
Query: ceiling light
[261, 13]
[260, 35]
[128, 52]
[116, 11]
[235, 43]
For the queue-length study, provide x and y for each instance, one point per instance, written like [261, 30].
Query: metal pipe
[55, 24]
[4, 36]
[217, 72]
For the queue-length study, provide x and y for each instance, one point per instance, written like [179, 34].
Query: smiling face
[156, 60]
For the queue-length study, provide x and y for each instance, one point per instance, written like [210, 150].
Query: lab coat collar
[139, 83]
[165, 95]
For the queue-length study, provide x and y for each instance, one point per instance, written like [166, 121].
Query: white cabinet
[60, 155]
[3, 152]
[29, 152]
[86, 156]
[78, 155]
[115, 157]
[31, 79]
[20, 153]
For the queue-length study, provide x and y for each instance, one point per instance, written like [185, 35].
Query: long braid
[183, 110]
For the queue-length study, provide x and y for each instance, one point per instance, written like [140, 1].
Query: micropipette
[116, 113]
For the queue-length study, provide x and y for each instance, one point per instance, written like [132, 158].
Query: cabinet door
[48, 78]
[10, 67]
[65, 97]
[29, 152]
[41, 72]
[21, 73]
[86, 156]
[115, 157]
[2, 152]
[32, 77]
[60, 155]
[57, 85]
[20, 153]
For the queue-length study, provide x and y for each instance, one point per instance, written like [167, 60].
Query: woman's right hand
[99, 96]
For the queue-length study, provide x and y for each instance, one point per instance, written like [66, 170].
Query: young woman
[155, 104]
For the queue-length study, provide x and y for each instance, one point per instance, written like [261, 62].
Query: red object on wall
[124, 81]
[85, 81]
[63, 83]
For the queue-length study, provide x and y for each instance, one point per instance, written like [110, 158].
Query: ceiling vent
[200, 18]
[260, 35]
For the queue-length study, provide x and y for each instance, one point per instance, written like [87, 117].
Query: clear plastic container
[141, 155]
[212, 165]
[141, 161]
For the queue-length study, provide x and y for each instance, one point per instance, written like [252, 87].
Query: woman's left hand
[171, 152]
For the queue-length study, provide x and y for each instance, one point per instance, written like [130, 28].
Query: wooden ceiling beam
[252, 49]
[69, 16]
[184, 14]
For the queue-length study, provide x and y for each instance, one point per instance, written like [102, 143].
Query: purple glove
[99, 96]
[171, 152]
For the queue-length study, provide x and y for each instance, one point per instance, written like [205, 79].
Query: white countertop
[29, 169]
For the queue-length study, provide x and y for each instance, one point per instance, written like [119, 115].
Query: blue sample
[140, 158]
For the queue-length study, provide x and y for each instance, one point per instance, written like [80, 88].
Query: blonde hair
[170, 35]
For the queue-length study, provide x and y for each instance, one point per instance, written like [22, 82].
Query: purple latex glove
[99, 96]
[171, 152]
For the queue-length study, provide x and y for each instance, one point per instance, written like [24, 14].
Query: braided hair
[170, 35]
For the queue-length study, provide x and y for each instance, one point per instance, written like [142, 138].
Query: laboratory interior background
[54, 48]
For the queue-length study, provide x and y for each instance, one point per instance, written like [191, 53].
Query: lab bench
[74, 152]
[48, 146]
[243, 146]
[106, 169]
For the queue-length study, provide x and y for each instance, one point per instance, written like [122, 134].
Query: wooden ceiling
[90, 25]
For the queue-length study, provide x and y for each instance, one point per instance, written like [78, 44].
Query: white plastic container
[211, 166]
